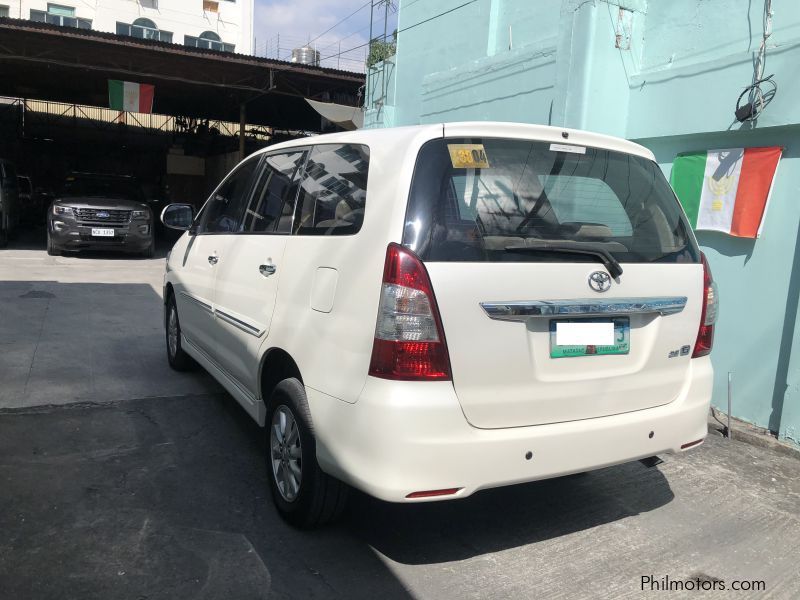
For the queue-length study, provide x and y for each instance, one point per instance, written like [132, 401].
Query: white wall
[233, 22]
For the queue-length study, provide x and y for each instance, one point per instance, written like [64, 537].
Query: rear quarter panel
[333, 349]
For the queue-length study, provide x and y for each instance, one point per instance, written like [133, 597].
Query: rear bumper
[404, 437]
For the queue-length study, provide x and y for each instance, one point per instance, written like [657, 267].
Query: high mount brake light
[409, 341]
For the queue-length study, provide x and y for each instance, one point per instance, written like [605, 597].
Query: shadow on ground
[168, 498]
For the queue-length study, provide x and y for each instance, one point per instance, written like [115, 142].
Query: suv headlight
[62, 210]
[139, 214]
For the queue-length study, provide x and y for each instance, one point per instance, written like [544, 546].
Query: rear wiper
[608, 260]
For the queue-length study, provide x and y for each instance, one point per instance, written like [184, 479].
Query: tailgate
[502, 367]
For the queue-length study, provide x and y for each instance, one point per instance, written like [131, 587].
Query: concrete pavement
[168, 498]
[138, 482]
[85, 328]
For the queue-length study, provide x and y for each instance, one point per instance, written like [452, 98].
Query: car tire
[304, 495]
[51, 249]
[150, 252]
[3, 230]
[177, 357]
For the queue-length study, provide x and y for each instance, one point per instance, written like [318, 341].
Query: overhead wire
[758, 97]
[335, 25]
[399, 31]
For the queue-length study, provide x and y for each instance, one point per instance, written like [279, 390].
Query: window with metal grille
[144, 29]
[208, 40]
[58, 18]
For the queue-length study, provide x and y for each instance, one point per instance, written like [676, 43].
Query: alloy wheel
[172, 331]
[286, 453]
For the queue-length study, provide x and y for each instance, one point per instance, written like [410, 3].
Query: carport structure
[71, 65]
[204, 100]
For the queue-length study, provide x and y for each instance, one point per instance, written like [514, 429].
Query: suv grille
[92, 215]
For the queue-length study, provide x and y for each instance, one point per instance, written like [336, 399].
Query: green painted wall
[666, 73]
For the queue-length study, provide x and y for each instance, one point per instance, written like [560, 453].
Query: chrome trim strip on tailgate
[589, 307]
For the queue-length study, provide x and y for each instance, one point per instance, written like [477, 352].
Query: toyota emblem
[600, 281]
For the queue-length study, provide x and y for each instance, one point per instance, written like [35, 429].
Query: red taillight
[409, 341]
[433, 493]
[708, 316]
[690, 444]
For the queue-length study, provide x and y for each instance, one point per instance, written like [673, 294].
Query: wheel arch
[276, 365]
[169, 292]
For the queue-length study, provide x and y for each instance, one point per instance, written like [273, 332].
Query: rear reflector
[708, 316]
[432, 493]
[409, 342]
[690, 444]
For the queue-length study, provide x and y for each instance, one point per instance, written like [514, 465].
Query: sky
[296, 22]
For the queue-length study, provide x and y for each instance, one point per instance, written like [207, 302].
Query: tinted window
[333, 192]
[517, 196]
[223, 211]
[276, 189]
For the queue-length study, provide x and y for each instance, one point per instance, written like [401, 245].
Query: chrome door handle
[213, 259]
[267, 270]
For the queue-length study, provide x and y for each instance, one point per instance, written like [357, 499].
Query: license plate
[102, 232]
[593, 330]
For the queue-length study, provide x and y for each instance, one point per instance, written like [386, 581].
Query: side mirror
[178, 216]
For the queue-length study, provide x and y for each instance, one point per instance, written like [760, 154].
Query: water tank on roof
[305, 56]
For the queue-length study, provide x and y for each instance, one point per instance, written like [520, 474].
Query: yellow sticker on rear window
[468, 156]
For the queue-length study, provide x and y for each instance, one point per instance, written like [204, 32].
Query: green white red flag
[130, 97]
[726, 190]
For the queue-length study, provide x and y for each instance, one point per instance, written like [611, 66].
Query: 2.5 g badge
[684, 350]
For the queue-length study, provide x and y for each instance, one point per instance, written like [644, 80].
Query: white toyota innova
[425, 312]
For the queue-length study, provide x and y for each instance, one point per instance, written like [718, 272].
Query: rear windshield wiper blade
[608, 260]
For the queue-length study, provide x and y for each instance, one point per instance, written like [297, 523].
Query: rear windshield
[503, 200]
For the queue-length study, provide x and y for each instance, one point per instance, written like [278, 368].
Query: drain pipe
[728, 431]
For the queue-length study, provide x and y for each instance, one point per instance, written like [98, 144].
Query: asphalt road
[167, 498]
[108, 494]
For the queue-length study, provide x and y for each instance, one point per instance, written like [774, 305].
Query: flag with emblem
[130, 97]
[726, 190]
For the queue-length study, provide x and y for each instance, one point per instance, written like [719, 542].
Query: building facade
[225, 25]
[666, 74]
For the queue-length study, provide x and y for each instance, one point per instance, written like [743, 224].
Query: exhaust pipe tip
[651, 461]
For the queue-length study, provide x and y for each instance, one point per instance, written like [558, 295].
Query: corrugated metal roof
[91, 34]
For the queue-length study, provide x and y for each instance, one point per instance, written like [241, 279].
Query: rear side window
[517, 196]
[333, 193]
[272, 206]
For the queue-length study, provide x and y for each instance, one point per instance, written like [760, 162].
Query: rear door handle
[213, 259]
[267, 270]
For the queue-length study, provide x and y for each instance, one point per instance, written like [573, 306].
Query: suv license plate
[621, 340]
[102, 232]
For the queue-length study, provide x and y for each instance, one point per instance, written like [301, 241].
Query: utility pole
[242, 128]
[369, 50]
[383, 70]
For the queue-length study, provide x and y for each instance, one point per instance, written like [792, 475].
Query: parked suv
[100, 212]
[425, 312]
